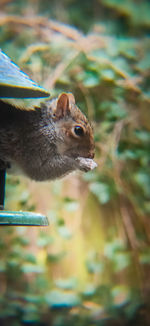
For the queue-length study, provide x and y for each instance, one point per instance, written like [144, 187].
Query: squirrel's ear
[71, 98]
[62, 106]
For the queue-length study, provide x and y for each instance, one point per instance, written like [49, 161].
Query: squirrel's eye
[79, 131]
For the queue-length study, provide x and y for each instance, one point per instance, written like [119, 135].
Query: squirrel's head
[74, 132]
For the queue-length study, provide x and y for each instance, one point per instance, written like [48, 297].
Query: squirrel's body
[47, 142]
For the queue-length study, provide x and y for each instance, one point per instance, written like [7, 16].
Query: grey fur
[33, 142]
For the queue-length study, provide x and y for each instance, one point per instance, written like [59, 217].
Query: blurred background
[91, 266]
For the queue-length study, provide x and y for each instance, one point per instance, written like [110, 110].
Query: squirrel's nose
[91, 155]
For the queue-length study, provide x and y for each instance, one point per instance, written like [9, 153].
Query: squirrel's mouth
[88, 154]
[91, 155]
[76, 152]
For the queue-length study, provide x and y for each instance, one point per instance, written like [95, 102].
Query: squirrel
[47, 142]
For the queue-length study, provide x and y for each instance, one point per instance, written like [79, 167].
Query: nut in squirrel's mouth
[86, 164]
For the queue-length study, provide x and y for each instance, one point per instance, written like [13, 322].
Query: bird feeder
[14, 84]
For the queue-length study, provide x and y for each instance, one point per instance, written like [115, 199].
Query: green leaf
[2, 267]
[89, 290]
[29, 268]
[143, 135]
[94, 267]
[121, 261]
[144, 63]
[64, 232]
[111, 248]
[70, 205]
[45, 240]
[66, 284]
[55, 258]
[143, 180]
[108, 74]
[89, 78]
[120, 294]
[101, 191]
[62, 299]
[145, 256]
[30, 258]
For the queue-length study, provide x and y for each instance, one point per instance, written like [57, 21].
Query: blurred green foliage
[91, 266]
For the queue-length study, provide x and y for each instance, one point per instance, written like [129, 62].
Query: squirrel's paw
[86, 164]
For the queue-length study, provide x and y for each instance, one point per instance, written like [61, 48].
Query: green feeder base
[22, 219]
[17, 218]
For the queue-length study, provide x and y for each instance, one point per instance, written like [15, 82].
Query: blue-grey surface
[16, 84]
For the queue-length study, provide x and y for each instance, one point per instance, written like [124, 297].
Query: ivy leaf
[64, 232]
[66, 284]
[62, 299]
[101, 191]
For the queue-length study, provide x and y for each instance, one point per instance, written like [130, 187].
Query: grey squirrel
[48, 142]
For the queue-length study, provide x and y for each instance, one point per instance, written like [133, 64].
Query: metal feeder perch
[17, 218]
